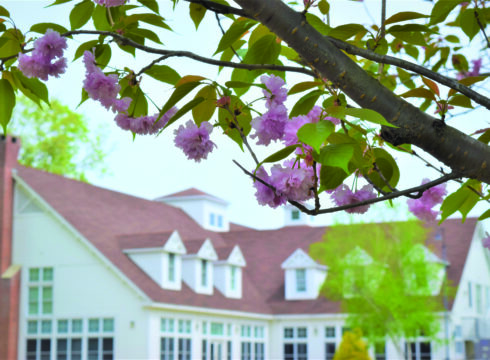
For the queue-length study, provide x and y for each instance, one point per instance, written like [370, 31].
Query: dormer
[207, 210]
[303, 277]
[357, 272]
[198, 266]
[163, 264]
[423, 271]
[228, 272]
[294, 217]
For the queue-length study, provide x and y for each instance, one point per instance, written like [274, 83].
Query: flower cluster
[344, 196]
[474, 72]
[144, 125]
[194, 140]
[101, 87]
[290, 183]
[110, 3]
[47, 57]
[422, 207]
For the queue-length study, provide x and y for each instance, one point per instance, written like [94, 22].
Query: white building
[89, 273]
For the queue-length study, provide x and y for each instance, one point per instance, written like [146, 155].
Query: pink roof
[113, 221]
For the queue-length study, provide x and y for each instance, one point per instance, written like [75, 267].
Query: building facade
[89, 273]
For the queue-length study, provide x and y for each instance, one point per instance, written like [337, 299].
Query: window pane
[288, 352]
[62, 326]
[300, 280]
[204, 273]
[108, 325]
[288, 333]
[163, 325]
[302, 332]
[46, 326]
[47, 294]
[76, 326]
[45, 349]
[171, 267]
[302, 351]
[107, 344]
[329, 351]
[330, 331]
[34, 274]
[93, 325]
[170, 325]
[48, 274]
[217, 329]
[33, 300]
[32, 327]
[62, 345]
[76, 349]
[93, 349]
[31, 347]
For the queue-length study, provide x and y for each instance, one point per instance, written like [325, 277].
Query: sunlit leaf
[163, 73]
[306, 103]
[81, 14]
[7, 103]
[368, 115]
[404, 16]
[315, 134]
[197, 12]
[336, 155]
[205, 110]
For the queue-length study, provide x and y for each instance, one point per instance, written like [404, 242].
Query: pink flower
[344, 196]
[422, 207]
[47, 57]
[194, 141]
[264, 194]
[144, 125]
[110, 3]
[101, 87]
[474, 72]
[275, 93]
[294, 183]
[270, 126]
[291, 129]
[223, 101]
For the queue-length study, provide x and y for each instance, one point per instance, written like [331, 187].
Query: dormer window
[212, 219]
[204, 273]
[233, 278]
[171, 267]
[220, 221]
[295, 215]
[301, 280]
[227, 273]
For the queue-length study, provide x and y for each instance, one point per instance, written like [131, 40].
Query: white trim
[144, 250]
[45, 205]
[169, 198]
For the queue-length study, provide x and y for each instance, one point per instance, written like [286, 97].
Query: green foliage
[57, 140]
[352, 346]
[384, 277]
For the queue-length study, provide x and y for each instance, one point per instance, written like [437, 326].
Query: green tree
[57, 140]
[386, 280]
[352, 347]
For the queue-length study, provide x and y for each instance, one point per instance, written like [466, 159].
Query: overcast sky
[150, 167]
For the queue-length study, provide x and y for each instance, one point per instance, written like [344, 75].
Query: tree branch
[386, 59]
[179, 53]
[463, 154]
[419, 190]
[482, 28]
[220, 8]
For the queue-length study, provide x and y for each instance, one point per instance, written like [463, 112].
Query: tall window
[330, 344]
[300, 280]
[479, 298]
[40, 291]
[212, 220]
[419, 350]
[171, 267]
[380, 351]
[470, 298]
[233, 277]
[204, 273]
[175, 341]
[295, 343]
[252, 342]
[100, 345]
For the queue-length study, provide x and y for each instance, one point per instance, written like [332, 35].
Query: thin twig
[220, 8]
[419, 190]
[223, 32]
[179, 53]
[315, 187]
[386, 59]
[482, 28]
[242, 135]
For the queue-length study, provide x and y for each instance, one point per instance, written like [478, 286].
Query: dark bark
[463, 154]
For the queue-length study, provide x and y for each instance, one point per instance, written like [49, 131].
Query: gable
[174, 244]
[298, 259]
[25, 204]
[207, 251]
[236, 257]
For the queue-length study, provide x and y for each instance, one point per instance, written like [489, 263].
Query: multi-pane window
[171, 267]
[259, 351]
[300, 280]
[295, 344]
[217, 329]
[419, 350]
[100, 345]
[167, 349]
[40, 291]
[246, 347]
[479, 300]
[470, 298]
[329, 350]
[233, 272]
[295, 215]
[184, 349]
[175, 342]
[330, 332]
[204, 273]
[69, 349]
[252, 344]
[380, 351]
[38, 349]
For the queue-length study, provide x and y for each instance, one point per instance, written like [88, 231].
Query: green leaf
[303, 86]
[4, 12]
[420, 93]
[318, 24]
[11, 41]
[337, 155]
[279, 155]
[139, 104]
[470, 80]
[237, 84]
[409, 28]
[42, 27]
[485, 137]
[235, 32]
[460, 100]
[184, 110]
[324, 7]
[368, 115]
[315, 134]
[485, 215]
[58, 2]
[99, 17]
[441, 10]
[31, 87]
[178, 94]
[344, 32]
[87, 46]
[205, 110]
[152, 19]
[103, 55]
[150, 4]
[163, 73]
[411, 37]
[468, 23]
[305, 104]
[387, 166]
[462, 200]
[228, 124]
[7, 103]
[404, 16]
[331, 177]
[81, 14]
[197, 12]
[263, 51]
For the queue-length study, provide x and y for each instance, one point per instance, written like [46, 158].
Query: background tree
[57, 140]
[358, 76]
[385, 279]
